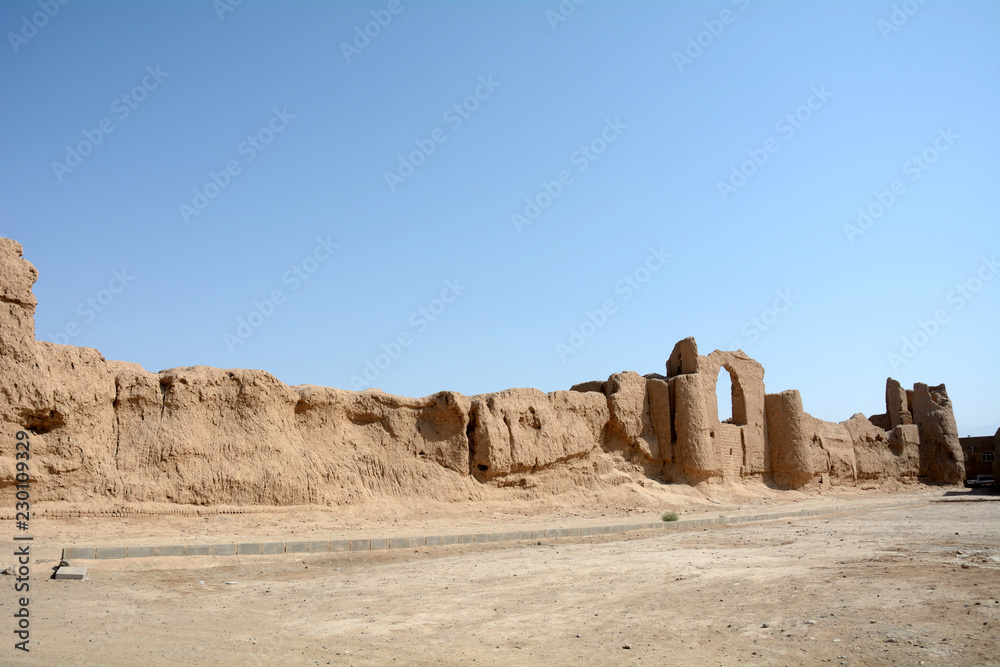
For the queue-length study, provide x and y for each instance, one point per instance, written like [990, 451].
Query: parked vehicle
[979, 481]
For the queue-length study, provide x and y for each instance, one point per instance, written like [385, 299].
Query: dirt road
[879, 587]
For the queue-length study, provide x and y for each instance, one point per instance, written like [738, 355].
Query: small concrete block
[171, 550]
[272, 548]
[198, 550]
[338, 545]
[511, 536]
[111, 552]
[562, 532]
[449, 539]
[248, 548]
[379, 543]
[585, 531]
[575, 532]
[296, 547]
[319, 546]
[75, 573]
[467, 538]
[536, 534]
[496, 537]
[433, 540]
[226, 549]
[524, 535]
[416, 541]
[79, 552]
[141, 552]
[398, 543]
[482, 538]
[551, 532]
[361, 545]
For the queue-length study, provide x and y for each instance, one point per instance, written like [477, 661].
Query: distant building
[980, 454]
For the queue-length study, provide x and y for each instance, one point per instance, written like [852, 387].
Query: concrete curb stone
[374, 544]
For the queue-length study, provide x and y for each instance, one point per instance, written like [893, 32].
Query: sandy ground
[921, 583]
[414, 517]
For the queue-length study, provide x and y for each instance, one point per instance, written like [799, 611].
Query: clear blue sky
[615, 122]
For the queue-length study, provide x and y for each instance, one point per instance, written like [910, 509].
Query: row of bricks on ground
[376, 544]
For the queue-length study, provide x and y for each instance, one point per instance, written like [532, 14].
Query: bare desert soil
[912, 585]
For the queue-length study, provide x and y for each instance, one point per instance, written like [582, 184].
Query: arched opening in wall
[724, 396]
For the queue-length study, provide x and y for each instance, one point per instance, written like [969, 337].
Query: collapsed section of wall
[524, 430]
[915, 439]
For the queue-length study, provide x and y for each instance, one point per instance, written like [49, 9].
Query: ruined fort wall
[111, 431]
